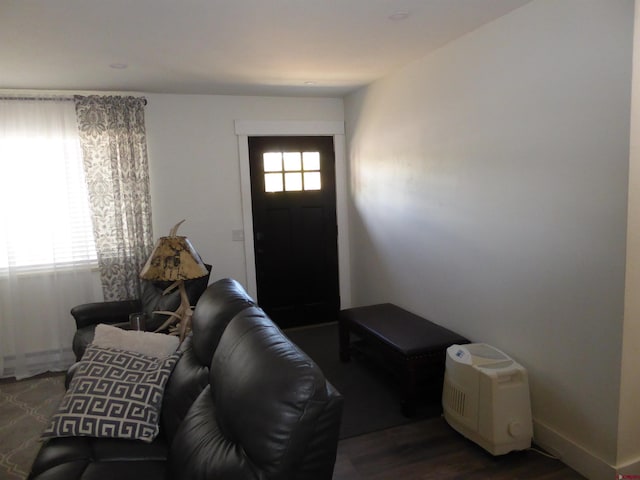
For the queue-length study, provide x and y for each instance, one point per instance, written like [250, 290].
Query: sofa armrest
[320, 455]
[104, 312]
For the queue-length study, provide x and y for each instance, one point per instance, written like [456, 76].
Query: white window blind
[44, 214]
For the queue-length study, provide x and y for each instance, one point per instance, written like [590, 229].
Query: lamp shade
[173, 258]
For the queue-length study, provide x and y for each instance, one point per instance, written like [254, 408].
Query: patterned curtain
[114, 146]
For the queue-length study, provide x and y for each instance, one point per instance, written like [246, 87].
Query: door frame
[248, 128]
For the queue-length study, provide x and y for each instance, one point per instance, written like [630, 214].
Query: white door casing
[246, 128]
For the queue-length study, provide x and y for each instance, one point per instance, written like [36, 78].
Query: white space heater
[486, 398]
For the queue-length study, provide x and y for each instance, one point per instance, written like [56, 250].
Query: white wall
[489, 189]
[195, 171]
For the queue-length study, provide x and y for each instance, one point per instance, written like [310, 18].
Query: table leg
[409, 390]
[343, 328]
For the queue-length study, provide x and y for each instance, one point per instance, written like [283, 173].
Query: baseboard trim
[630, 469]
[571, 454]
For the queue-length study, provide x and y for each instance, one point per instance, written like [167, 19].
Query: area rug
[371, 397]
[25, 408]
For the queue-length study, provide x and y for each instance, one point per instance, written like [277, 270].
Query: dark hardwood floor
[431, 449]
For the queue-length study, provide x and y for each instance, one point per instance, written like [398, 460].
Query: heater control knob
[516, 429]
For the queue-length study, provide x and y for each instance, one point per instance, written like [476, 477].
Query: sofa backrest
[215, 309]
[219, 303]
[267, 413]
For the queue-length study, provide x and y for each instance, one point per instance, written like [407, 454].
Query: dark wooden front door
[293, 198]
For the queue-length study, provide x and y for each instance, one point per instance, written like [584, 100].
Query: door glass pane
[293, 181]
[273, 182]
[295, 164]
[312, 180]
[272, 161]
[311, 160]
[292, 161]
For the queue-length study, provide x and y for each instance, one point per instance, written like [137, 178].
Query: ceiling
[229, 47]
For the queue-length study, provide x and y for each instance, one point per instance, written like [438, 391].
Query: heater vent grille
[455, 399]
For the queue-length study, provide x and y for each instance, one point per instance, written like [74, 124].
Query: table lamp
[175, 260]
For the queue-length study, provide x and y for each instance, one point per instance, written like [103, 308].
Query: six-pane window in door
[291, 171]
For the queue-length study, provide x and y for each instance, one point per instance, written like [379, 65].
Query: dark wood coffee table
[412, 348]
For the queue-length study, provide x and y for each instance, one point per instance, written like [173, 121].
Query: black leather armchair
[116, 313]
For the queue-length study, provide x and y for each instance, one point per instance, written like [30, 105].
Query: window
[291, 171]
[45, 218]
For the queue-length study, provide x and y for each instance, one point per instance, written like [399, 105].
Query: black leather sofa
[243, 402]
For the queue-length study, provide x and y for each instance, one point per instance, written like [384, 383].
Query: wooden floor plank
[430, 450]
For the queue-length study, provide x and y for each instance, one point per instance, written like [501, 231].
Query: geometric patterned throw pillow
[113, 394]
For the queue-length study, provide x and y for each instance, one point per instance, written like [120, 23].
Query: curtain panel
[47, 256]
[113, 140]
